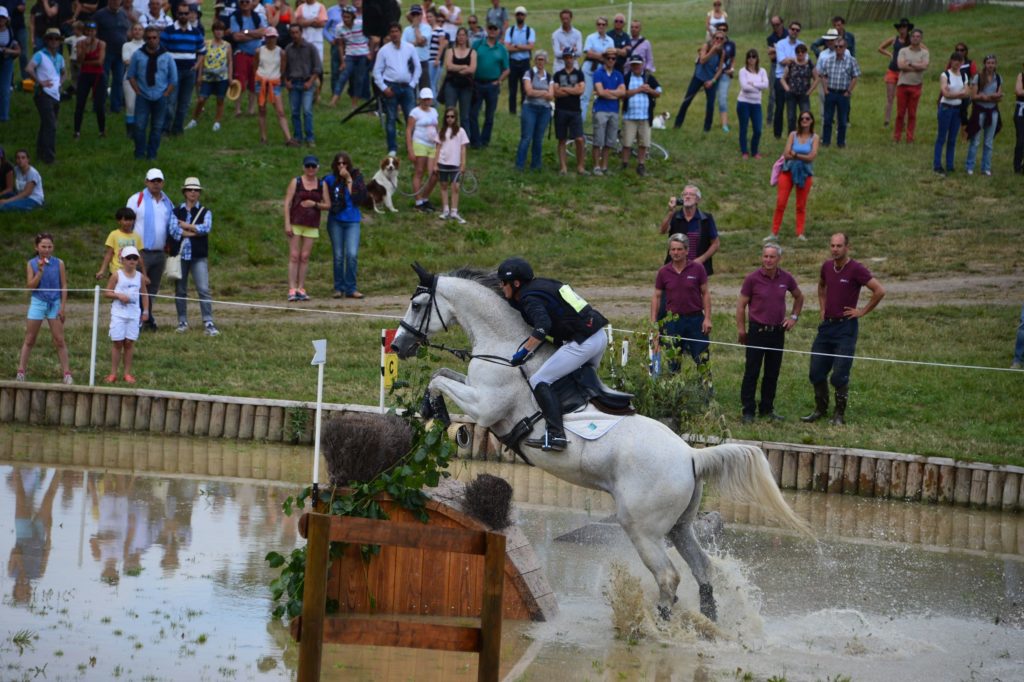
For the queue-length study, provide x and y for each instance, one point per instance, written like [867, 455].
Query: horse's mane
[485, 278]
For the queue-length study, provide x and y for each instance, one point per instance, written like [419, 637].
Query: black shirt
[567, 80]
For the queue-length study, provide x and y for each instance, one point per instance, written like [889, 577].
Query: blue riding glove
[521, 356]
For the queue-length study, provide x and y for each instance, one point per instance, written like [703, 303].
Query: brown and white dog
[384, 184]
[659, 121]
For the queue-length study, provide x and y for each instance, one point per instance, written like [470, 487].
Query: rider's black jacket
[546, 307]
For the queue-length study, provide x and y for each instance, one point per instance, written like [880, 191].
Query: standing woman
[48, 282]
[460, 65]
[891, 49]
[91, 54]
[10, 51]
[753, 81]
[715, 17]
[347, 190]
[539, 93]
[798, 171]
[798, 80]
[705, 76]
[27, 194]
[1018, 122]
[303, 202]
[953, 90]
[270, 64]
[191, 230]
[986, 95]
[438, 46]
[420, 138]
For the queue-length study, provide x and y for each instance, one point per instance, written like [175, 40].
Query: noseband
[420, 333]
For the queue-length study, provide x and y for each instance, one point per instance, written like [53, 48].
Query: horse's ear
[426, 278]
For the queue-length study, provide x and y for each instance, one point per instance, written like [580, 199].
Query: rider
[555, 312]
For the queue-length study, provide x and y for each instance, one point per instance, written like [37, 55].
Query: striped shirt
[185, 44]
[356, 43]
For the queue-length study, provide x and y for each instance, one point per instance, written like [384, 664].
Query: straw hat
[235, 90]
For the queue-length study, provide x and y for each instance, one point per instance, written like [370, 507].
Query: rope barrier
[727, 344]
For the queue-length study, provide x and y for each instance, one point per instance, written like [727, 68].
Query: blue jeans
[751, 113]
[356, 70]
[533, 124]
[402, 96]
[434, 76]
[345, 247]
[302, 109]
[834, 338]
[23, 204]
[200, 270]
[949, 126]
[688, 327]
[723, 93]
[989, 134]
[6, 73]
[486, 97]
[588, 90]
[1018, 351]
[149, 113]
[696, 85]
[836, 105]
[113, 73]
[335, 68]
[179, 100]
[794, 102]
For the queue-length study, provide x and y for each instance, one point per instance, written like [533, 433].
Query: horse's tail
[741, 473]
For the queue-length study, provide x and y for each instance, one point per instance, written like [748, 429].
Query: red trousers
[782, 198]
[907, 97]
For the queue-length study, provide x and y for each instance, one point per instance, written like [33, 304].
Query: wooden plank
[417, 535]
[490, 614]
[435, 567]
[408, 589]
[789, 467]
[380, 578]
[397, 633]
[805, 471]
[883, 477]
[314, 588]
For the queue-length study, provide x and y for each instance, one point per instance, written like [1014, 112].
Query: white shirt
[450, 27]
[784, 49]
[563, 40]
[393, 65]
[313, 35]
[162, 216]
[425, 122]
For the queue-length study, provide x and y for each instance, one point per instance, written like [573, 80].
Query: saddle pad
[590, 427]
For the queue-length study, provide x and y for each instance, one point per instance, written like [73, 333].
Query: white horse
[653, 475]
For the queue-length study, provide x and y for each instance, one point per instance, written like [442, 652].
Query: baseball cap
[348, 9]
[154, 174]
[310, 160]
[270, 32]
[426, 93]
[416, 9]
[520, 10]
[129, 251]
[635, 59]
[568, 52]
[3, 12]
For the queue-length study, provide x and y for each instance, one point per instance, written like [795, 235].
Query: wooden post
[53, 399]
[314, 596]
[216, 426]
[490, 615]
[979, 483]
[898, 482]
[929, 483]
[789, 466]
[202, 425]
[947, 483]
[805, 471]
[157, 415]
[775, 464]
[851, 472]
[1011, 488]
[82, 408]
[883, 476]
[142, 408]
[962, 486]
[835, 473]
[994, 494]
[37, 407]
[821, 461]
[915, 476]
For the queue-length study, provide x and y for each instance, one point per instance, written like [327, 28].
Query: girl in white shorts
[127, 287]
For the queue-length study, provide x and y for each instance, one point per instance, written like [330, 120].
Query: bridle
[420, 333]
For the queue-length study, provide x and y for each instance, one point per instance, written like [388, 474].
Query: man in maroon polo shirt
[838, 291]
[684, 285]
[764, 290]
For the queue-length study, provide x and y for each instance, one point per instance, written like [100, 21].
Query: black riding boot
[820, 402]
[554, 435]
[838, 417]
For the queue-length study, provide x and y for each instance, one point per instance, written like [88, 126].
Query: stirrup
[548, 442]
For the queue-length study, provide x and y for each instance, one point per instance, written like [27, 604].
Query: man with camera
[698, 226]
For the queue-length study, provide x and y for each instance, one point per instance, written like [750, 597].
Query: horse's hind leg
[694, 555]
[649, 546]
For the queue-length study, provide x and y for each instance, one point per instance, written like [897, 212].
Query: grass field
[595, 232]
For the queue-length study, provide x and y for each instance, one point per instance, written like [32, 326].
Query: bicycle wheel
[467, 182]
[588, 142]
[656, 152]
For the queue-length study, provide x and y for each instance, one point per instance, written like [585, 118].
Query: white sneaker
[68, 379]
[770, 238]
[454, 215]
[988, 173]
[191, 124]
[216, 126]
[970, 172]
[801, 238]
[182, 327]
[444, 215]
[211, 330]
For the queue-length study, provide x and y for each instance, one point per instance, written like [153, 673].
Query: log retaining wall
[851, 471]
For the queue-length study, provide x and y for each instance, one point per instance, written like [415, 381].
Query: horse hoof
[708, 608]
[665, 612]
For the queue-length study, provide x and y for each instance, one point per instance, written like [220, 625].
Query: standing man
[839, 24]
[764, 290]
[311, 16]
[838, 290]
[246, 29]
[417, 34]
[519, 41]
[354, 52]
[912, 62]
[595, 48]
[492, 67]
[698, 226]
[822, 48]
[785, 54]
[113, 24]
[610, 87]
[186, 43]
[335, 16]
[152, 75]
[565, 37]
[639, 46]
[568, 118]
[498, 16]
[725, 78]
[154, 212]
[642, 90]
[302, 70]
[778, 33]
[47, 70]
[396, 71]
[839, 72]
[621, 41]
[681, 288]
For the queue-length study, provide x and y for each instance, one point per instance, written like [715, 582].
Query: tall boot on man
[554, 434]
[838, 417]
[820, 403]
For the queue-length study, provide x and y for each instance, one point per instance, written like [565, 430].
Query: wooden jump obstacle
[313, 627]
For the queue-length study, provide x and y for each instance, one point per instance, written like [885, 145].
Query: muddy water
[142, 558]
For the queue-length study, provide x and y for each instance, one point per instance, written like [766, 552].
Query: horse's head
[423, 317]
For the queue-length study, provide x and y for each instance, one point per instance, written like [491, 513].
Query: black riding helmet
[513, 269]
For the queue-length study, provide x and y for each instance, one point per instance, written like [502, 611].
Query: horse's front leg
[453, 385]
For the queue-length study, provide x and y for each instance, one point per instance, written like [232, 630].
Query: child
[216, 71]
[270, 64]
[72, 41]
[123, 236]
[127, 287]
[451, 162]
[49, 283]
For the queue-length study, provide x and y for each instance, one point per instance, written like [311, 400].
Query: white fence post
[95, 331]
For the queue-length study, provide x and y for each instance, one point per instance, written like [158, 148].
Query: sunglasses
[602, 23]
[311, 165]
[191, 189]
[794, 28]
[130, 258]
